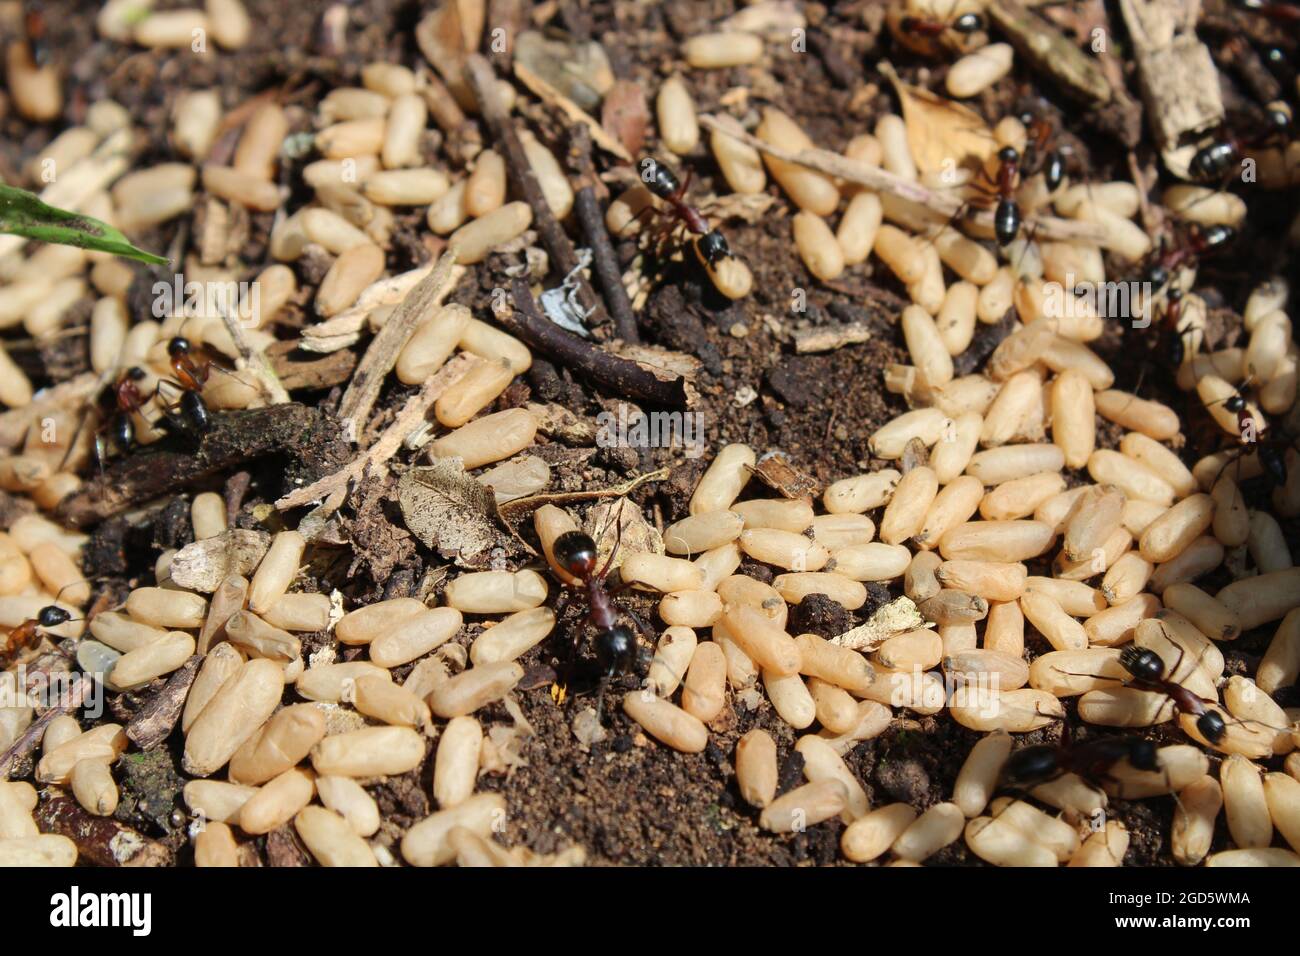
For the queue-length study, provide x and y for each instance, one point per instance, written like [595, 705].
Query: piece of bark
[153, 722]
[304, 435]
[100, 840]
[829, 338]
[1051, 52]
[314, 372]
[418, 305]
[1177, 76]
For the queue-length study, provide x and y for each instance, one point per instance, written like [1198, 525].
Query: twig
[345, 329]
[153, 722]
[524, 180]
[236, 437]
[26, 743]
[100, 840]
[603, 257]
[526, 506]
[554, 98]
[616, 375]
[382, 354]
[873, 177]
[254, 360]
[335, 486]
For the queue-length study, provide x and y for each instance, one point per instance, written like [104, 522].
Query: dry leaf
[941, 134]
[776, 471]
[203, 565]
[450, 512]
[634, 534]
[625, 115]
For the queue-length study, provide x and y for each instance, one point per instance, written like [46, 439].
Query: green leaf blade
[25, 214]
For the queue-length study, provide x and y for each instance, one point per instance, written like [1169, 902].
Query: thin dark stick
[524, 183]
[603, 257]
[153, 722]
[614, 374]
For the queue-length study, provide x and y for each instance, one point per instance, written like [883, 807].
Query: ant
[1092, 760]
[25, 635]
[1038, 157]
[1213, 162]
[1271, 10]
[1200, 241]
[663, 183]
[1149, 673]
[1006, 212]
[125, 399]
[923, 30]
[616, 645]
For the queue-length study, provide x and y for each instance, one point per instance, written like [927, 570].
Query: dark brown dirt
[627, 800]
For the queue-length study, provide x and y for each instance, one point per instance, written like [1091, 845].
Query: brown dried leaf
[625, 115]
[776, 471]
[941, 133]
[449, 512]
[203, 565]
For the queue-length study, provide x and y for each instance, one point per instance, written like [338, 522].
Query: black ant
[124, 400]
[1199, 242]
[662, 182]
[1213, 162]
[616, 647]
[1006, 213]
[1149, 673]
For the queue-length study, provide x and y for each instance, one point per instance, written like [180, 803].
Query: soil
[625, 799]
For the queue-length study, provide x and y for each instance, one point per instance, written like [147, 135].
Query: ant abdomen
[1030, 766]
[576, 553]
[1212, 726]
[616, 650]
[1143, 663]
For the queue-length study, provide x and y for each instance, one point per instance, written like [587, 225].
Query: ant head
[1143, 755]
[1008, 154]
[1235, 403]
[968, 23]
[1143, 663]
[713, 248]
[1211, 726]
[1174, 295]
[1216, 236]
[52, 616]
[1279, 116]
[1158, 276]
[576, 553]
[616, 649]
[178, 346]
[1029, 766]
[135, 373]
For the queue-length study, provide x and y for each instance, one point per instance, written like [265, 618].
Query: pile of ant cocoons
[984, 475]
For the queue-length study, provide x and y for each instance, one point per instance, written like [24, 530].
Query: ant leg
[686, 184]
[618, 540]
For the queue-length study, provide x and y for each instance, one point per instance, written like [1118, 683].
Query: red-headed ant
[1091, 760]
[1039, 156]
[26, 635]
